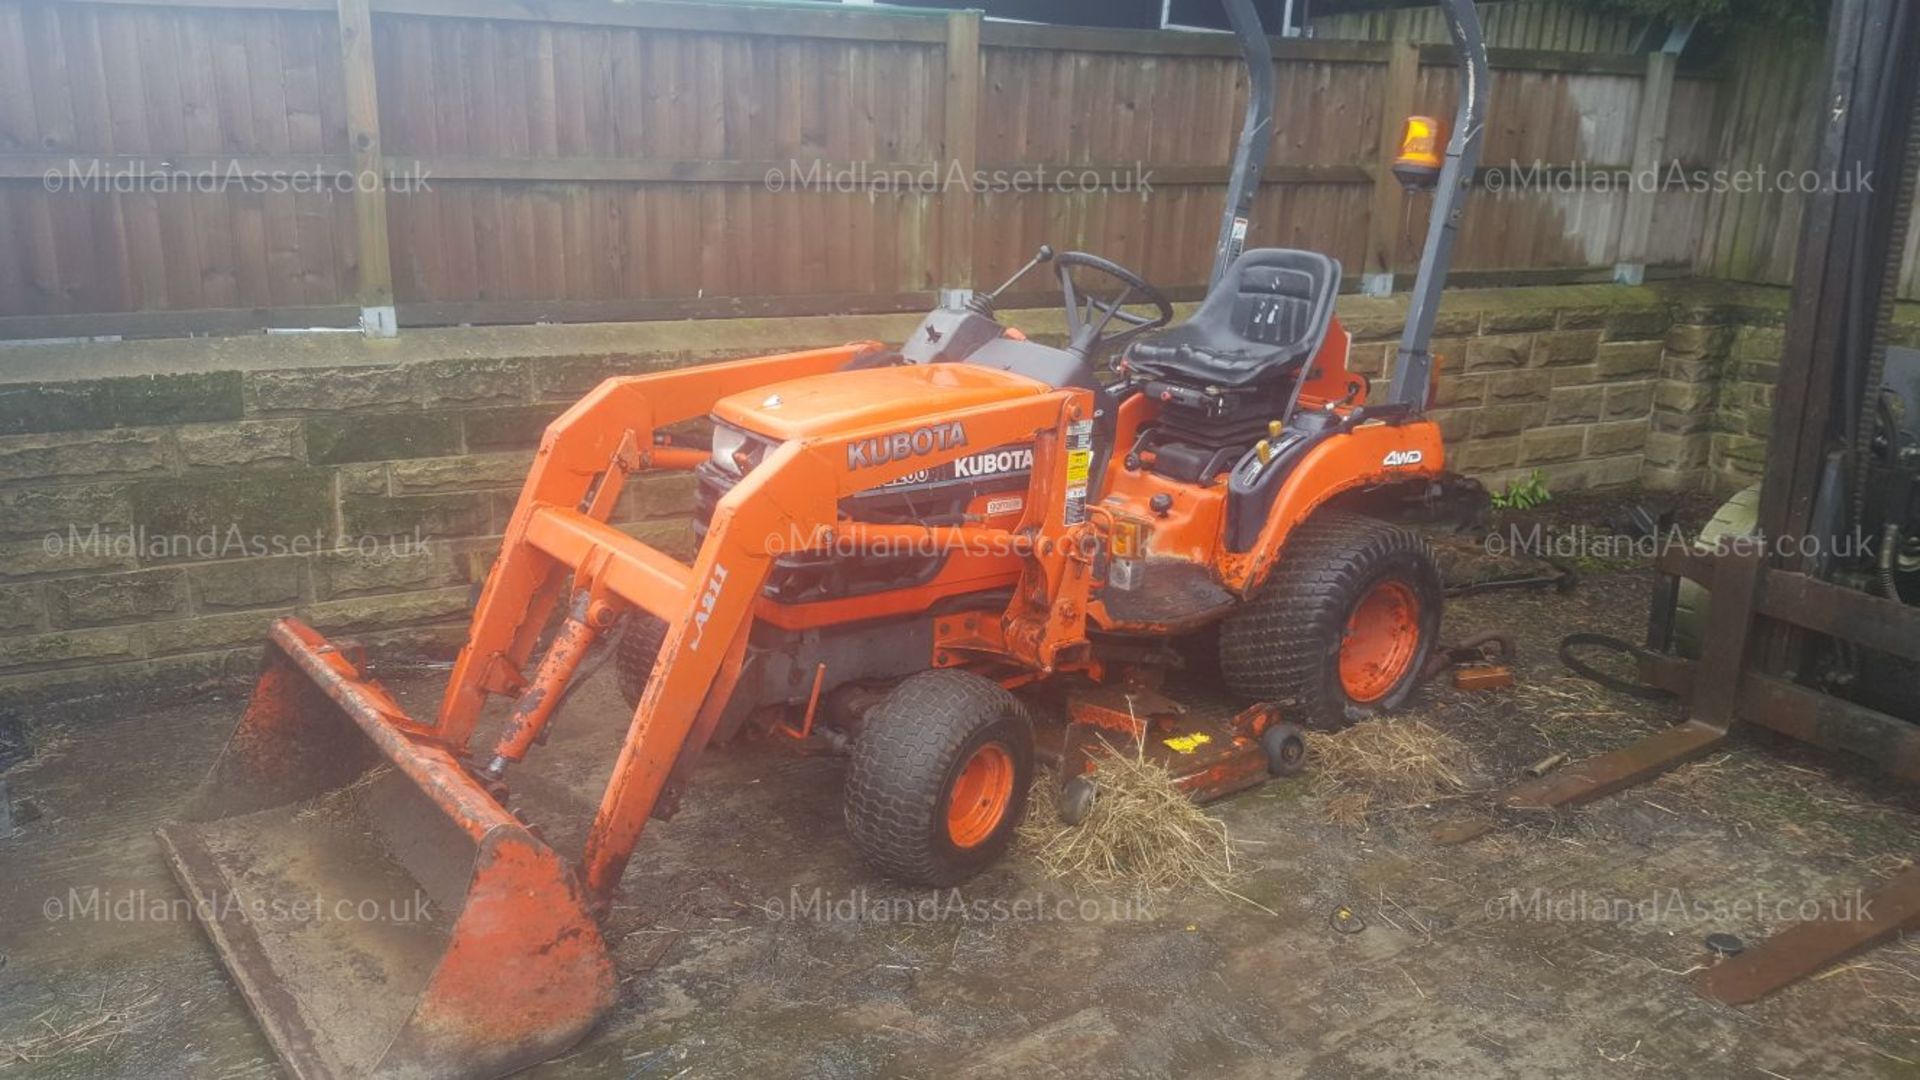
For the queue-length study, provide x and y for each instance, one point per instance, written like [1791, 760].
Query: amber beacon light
[1418, 165]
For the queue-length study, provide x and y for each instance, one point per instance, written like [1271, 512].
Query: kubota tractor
[894, 539]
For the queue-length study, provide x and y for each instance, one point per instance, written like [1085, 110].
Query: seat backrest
[1265, 318]
[1275, 296]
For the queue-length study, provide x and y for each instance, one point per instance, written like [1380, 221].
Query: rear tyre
[939, 778]
[635, 653]
[1343, 626]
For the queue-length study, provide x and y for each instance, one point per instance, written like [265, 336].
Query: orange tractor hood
[851, 400]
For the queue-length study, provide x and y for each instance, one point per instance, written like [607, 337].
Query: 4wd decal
[1400, 459]
[900, 445]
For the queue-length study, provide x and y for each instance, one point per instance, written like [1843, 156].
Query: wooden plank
[182, 236]
[648, 309]
[1649, 150]
[13, 276]
[320, 276]
[212, 5]
[33, 225]
[962, 126]
[126, 93]
[155, 169]
[267, 97]
[157, 34]
[1385, 215]
[373, 267]
[854, 173]
[19, 129]
[867, 24]
[146, 324]
[1550, 60]
[1875, 622]
[69, 99]
[1170, 43]
[873, 24]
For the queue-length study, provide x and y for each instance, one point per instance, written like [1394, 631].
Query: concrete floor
[722, 978]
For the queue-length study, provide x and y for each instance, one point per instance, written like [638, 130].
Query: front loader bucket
[383, 915]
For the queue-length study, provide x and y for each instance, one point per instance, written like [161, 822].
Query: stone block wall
[1565, 391]
[162, 502]
[1713, 408]
[151, 525]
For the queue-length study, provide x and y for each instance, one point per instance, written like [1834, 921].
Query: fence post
[1387, 213]
[1649, 146]
[962, 124]
[373, 279]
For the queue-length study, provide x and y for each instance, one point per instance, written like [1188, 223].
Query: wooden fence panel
[1767, 125]
[646, 159]
[509, 120]
[151, 85]
[1507, 24]
[1137, 119]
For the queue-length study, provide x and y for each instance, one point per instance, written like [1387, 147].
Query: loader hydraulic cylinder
[586, 620]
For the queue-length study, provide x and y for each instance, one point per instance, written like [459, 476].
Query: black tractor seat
[1267, 316]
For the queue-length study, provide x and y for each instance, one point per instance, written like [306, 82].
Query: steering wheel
[1088, 315]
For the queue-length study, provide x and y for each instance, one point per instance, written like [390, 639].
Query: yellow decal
[1079, 463]
[1187, 744]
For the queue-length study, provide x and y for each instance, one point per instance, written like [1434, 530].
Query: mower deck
[1208, 741]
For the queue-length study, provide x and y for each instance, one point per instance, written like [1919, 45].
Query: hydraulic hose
[1889, 563]
[1612, 682]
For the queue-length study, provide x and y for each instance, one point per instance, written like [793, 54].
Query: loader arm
[582, 452]
[790, 502]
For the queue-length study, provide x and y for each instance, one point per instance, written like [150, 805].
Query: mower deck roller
[382, 914]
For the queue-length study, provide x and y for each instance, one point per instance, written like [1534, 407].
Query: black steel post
[1256, 133]
[1414, 362]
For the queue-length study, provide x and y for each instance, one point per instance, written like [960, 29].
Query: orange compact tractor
[893, 541]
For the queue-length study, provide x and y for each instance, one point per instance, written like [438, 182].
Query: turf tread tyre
[635, 653]
[909, 751]
[1283, 645]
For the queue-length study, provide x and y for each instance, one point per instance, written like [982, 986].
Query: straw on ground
[1142, 831]
[1384, 765]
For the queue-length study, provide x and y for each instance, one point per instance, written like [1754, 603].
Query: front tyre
[939, 778]
[636, 652]
[1342, 627]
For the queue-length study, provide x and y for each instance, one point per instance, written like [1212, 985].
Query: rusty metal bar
[1840, 612]
[1585, 781]
[1845, 927]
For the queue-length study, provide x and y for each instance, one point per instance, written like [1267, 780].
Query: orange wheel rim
[980, 796]
[1382, 638]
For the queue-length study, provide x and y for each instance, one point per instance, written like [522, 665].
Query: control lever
[982, 303]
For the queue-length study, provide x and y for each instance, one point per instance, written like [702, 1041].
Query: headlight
[733, 450]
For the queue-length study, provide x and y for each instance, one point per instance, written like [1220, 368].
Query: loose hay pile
[1143, 831]
[1384, 765]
